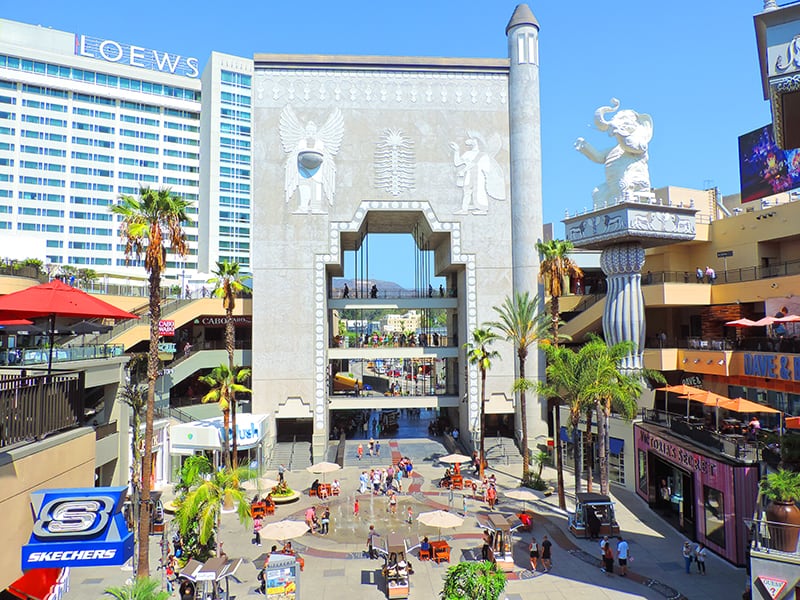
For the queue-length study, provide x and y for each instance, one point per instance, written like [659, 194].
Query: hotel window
[714, 510]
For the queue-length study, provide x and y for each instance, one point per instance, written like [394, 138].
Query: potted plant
[782, 489]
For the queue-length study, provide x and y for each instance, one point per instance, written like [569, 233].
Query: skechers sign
[80, 527]
[136, 56]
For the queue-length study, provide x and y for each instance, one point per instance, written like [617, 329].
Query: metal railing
[424, 340]
[33, 407]
[733, 446]
[394, 293]
[772, 536]
[24, 356]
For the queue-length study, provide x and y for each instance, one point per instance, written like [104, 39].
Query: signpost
[724, 254]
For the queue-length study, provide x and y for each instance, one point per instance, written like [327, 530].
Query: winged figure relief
[478, 174]
[310, 168]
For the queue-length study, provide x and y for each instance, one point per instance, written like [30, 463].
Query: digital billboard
[765, 169]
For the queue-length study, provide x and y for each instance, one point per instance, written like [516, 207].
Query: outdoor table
[324, 490]
[457, 482]
[258, 509]
[440, 550]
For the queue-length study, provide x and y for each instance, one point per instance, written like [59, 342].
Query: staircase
[502, 451]
[294, 455]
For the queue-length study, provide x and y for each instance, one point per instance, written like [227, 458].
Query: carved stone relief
[394, 162]
[478, 174]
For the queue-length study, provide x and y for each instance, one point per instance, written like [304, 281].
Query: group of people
[318, 519]
[708, 274]
[694, 553]
[607, 556]
[385, 481]
[373, 448]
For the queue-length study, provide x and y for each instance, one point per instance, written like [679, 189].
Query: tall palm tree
[479, 353]
[522, 324]
[554, 267]
[228, 283]
[225, 383]
[566, 381]
[149, 225]
[201, 508]
[612, 388]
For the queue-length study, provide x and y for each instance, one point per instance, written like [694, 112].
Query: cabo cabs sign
[136, 56]
[78, 527]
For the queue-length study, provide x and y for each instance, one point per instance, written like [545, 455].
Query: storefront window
[714, 504]
[643, 472]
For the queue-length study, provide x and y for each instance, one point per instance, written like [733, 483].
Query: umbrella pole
[51, 336]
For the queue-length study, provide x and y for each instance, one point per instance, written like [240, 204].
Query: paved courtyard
[336, 564]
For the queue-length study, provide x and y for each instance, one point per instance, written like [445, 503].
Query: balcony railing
[733, 446]
[427, 340]
[773, 537]
[752, 273]
[40, 355]
[394, 293]
[33, 407]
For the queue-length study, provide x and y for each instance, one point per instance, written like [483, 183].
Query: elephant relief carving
[626, 163]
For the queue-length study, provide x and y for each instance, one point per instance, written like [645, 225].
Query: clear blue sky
[692, 65]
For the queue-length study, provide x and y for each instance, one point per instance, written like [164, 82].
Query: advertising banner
[765, 169]
[78, 527]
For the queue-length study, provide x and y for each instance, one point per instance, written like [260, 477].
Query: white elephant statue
[626, 163]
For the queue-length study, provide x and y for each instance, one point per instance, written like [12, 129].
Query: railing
[422, 340]
[753, 273]
[396, 293]
[103, 431]
[33, 407]
[167, 308]
[771, 536]
[752, 344]
[41, 355]
[733, 446]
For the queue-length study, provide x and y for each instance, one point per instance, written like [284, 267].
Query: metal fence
[32, 407]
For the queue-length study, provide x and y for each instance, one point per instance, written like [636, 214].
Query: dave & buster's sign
[79, 527]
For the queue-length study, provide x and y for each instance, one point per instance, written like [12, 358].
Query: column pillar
[623, 318]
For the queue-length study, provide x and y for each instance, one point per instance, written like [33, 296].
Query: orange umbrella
[678, 389]
[792, 422]
[709, 399]
[742, 405]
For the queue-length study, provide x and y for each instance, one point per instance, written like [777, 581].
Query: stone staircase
[295, 456]
[502, 451]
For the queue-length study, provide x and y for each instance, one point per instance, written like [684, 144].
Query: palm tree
[474, 580]
[478, 353]
[565, 380]
[142, 588]
[555, 266]
[612, 388]
[228, 284]
[522, 324]
[201, 508]
[225, 383]
[149, 225]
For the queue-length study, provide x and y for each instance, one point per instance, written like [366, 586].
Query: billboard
[765, 169]
[78, 527]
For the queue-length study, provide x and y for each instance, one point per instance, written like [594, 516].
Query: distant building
[395, 323]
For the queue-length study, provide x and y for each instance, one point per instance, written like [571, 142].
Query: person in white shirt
[622, 556]
[700, 554]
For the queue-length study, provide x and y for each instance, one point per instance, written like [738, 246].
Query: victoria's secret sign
[678, 455]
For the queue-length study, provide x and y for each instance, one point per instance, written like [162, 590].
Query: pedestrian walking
[533, 550]
[464, 504]
[360, 451]
[409, 515]
[450, 497]
[393, 503]
[281, 473]
[325, 521]
[700, 554]
[608, 559]
[371, 535]
[687, 556]
[257, 525]
[547, 549]
[622, 556]
[355, 508]
[377, 447]
[603, 543]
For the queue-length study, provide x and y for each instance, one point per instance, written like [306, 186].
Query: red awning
[36, 584]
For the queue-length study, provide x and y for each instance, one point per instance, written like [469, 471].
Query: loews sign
[136, 56]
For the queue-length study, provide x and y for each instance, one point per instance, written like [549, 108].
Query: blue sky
[691, 65]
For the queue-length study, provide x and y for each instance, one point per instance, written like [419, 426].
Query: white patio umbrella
[452, 459]
[440, 519]
[524, 494]
[283, 530]
[263, 483]
[323, 468]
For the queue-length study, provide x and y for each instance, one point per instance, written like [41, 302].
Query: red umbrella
[741, 323]
[14, 322]
[53, 299]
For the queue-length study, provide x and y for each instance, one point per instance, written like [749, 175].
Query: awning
[615, 445]
[564, 434]
[39, 584]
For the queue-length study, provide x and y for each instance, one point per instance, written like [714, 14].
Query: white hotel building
[83, 120]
